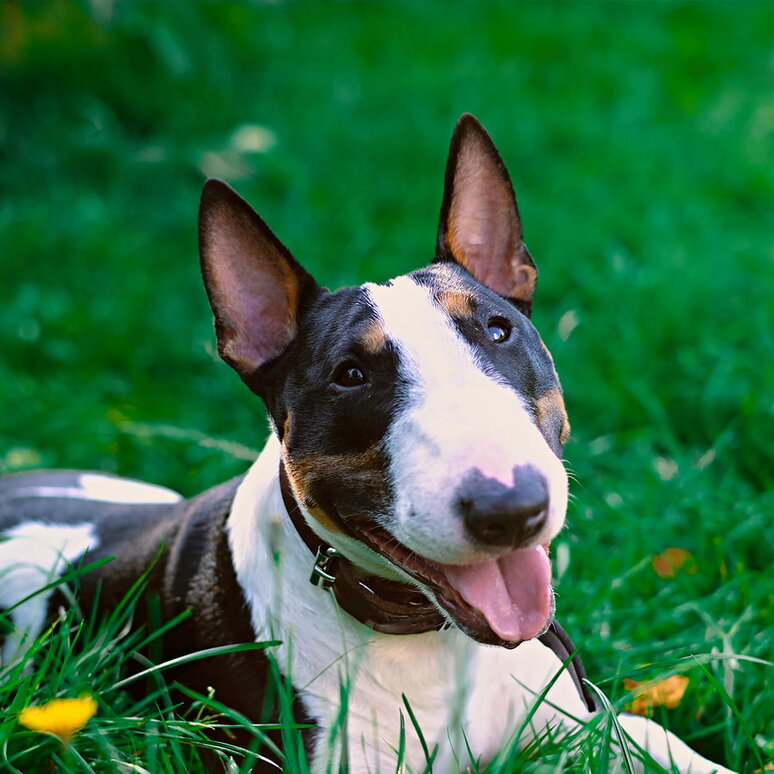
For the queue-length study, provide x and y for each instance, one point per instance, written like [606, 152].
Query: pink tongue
[513, 593]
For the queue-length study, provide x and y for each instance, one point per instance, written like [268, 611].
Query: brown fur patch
[373, 338]
[359, 476]
[287, 425]
[547, 350]
[297, 484]
[551, 413]
[457, 303]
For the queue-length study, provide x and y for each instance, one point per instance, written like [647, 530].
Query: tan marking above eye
[548, 408]
[456, 303]
[373, 338]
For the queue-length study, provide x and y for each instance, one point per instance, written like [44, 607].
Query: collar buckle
[322, 573]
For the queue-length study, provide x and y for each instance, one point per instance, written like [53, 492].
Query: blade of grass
[623, 741]
[429, 758]
[718, 686]
[222, 650]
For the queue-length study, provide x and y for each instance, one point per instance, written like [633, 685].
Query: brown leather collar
[383, 605]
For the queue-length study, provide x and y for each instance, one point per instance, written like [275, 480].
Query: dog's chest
[445, 680]
[438, 690]
[412, 690]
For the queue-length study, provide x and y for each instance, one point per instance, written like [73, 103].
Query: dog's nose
[499, 515]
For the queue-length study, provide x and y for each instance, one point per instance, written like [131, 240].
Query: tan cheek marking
[286, 425]
[564, 433]
[546, 350]
[551, 404]
[555, 396]
[297, 484]
[355, 471]
[340, 467]
[456, 303]
[373, 338]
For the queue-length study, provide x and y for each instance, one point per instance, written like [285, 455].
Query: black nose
[500, 515]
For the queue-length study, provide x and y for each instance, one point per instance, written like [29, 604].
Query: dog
[413, 474]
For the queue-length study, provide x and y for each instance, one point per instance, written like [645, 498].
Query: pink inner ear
[253, 290]
[258, 328]
[483, 230]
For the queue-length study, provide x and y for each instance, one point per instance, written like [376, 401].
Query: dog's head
[421, 420]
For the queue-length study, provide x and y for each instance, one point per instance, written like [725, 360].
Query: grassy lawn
[640, 138]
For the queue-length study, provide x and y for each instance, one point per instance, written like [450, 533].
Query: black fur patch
[336, 449]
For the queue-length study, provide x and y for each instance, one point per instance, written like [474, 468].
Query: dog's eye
[499, 330]
[349, 374]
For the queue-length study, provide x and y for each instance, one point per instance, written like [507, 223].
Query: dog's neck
[271, 560]
[387, 606]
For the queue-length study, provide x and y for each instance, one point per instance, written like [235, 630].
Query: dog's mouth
[501, 601]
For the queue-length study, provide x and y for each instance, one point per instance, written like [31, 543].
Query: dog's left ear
[480, 226]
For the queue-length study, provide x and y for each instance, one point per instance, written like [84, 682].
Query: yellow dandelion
[61, 717]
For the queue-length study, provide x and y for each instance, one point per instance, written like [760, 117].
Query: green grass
[639, 137]
[146, 731]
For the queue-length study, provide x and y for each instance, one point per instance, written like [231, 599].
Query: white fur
[666, 749]
[109, 489]
[31, 556]
[33, 553]
[451, 682]
[440, 433]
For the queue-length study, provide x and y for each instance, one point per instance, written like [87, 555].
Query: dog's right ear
[255, 286]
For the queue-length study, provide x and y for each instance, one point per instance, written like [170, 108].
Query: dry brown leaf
[662, 693]
[667, 564]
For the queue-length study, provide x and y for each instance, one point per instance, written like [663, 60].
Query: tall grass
[103, 655]
[161, 726]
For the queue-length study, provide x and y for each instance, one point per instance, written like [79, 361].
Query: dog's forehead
[420, 316]
[339, 320]
[416, 313]
[427, 330]
[435, 320]
[356, 317]
[437, 308]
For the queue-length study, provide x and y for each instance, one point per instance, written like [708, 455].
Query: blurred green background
[640, 139]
